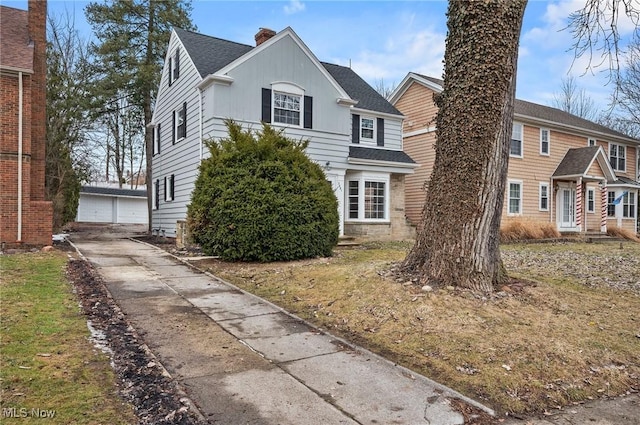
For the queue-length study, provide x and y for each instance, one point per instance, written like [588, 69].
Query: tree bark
[457, 240]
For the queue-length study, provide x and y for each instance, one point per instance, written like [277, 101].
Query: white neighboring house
[353, 132]
[112, 205]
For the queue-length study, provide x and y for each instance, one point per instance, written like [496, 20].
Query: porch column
[603, 207]
[579, 204]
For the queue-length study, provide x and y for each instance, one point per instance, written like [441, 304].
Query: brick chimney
[263, 35]
[38, 36]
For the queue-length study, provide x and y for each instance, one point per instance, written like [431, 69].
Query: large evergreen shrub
[258, 197]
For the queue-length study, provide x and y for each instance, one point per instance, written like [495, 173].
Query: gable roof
[577, 161]
[528, 110]
[211, 54]
[358, 89]
[16, 48]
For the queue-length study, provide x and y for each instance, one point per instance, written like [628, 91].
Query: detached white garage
[112, 205]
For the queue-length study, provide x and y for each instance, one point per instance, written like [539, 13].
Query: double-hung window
[629, 205]
[367, 129]
[169, 187]
[544, 141]
[611, 207]
[515, 198]
[367, 197]
[516, 140]
[155, 135]
[286, 108]
[544, 197]
[180, 123]
[591, 200]
[174, 67]
[617, 156]
[155, 195]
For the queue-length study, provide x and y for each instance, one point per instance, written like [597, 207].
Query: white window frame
[283, 107]
[287, 89]
[618, 157]
[154, 194]
[362, 179]
[548, 141]
[611, 196]
[591, 200]
[542, 186]
[591, 141]
[629, 206]
[521, 140]
[509, 198]
[169, 187]
[371, 139]
[156, 139]
[178, 113]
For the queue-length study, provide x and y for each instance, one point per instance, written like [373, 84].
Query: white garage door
[95, 209]
[132, 210]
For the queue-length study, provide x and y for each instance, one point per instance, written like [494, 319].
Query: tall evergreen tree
[132, 39]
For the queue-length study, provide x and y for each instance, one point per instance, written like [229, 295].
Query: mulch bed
[155, 396]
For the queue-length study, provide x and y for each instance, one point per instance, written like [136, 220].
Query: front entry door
[567, 203]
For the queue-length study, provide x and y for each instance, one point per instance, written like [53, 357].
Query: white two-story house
[354, 134]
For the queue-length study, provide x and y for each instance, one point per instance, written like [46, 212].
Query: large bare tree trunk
[458, 239]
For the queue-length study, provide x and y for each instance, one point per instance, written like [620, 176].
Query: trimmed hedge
[258, 197]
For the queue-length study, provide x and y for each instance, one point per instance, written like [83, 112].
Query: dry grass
[619, 232]
[519, 229]
[529, 348]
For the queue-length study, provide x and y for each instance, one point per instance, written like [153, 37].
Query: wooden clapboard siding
[419, 110]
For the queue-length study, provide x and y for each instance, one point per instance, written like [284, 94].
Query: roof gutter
[20, 141]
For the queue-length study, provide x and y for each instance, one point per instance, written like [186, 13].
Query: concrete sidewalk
[242, 360]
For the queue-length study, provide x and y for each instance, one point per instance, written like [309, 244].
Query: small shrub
[517, 230]
[619, 232]
[258, 197]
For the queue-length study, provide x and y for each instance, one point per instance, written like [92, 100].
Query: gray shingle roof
[628, 182]
[210, 54]
[379, 155]
[95, 190]
[547, 113]
[576, 161]
[359, 90]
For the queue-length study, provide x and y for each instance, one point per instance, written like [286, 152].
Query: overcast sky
[387, 39]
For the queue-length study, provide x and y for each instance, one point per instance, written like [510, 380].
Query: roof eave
[381, 114]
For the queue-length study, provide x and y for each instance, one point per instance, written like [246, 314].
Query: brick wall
[37, 213]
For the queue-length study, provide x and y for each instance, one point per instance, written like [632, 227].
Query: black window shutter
[153, 142]
[158, 136]
[157, 190]
[172, 185]
[166, 189]
[308, 112]
[380, 132]
[355, 128]
[266, 105]
[170, 71]
[184, 121]
[173, 128]
[176, 74]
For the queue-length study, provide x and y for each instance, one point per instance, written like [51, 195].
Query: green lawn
[48, 366]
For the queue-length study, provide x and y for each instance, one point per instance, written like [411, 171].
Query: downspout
[200, 119]
[20, 101]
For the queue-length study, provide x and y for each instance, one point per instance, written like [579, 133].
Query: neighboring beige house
[563, 169]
